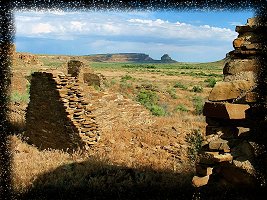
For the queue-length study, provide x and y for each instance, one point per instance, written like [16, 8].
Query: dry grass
[137, 151]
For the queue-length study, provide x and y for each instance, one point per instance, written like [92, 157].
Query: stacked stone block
[57, 115]
[234, 148]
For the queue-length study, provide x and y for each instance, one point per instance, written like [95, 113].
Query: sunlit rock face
[235, 112]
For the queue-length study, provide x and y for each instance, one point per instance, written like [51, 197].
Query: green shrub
[97, 88]
[157, 110]
[172, 93]
[150, 100]
[197, 89]
[198, 104]
[126, 78]
[147, 97]
[180, 85]
[211, 82]
[18, 97]
[181, 108]
[194, 141]
[125, 85]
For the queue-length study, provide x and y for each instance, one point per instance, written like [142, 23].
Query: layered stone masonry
[234, 150]
[58, 115]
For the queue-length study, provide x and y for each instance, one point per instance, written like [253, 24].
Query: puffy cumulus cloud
[95, 24]
[107, 32]
[42, 28]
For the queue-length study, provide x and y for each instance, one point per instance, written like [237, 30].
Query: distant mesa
[128, 57]
[166, 59]
[119, 57]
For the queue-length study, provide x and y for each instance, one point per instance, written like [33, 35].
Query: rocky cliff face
[121, 57]
[166, 59]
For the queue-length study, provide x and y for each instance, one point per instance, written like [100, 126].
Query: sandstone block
[238, 177]
[241, 76]
[214, 157]
[255, 21]
[229, 90]
[225, 110]
[251, 97]
[238, 42]
[200, 181]
[245, 165]
[225, 132]
[243, 151]
[254, 46]
[240, 65]
[219, 145]
[203, 170]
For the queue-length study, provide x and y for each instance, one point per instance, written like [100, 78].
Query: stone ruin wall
[233, 153]
[58, 115]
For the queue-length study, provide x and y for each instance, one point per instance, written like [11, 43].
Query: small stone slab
[200, 181]
[203, 170]
[225, 110]
[219, 145]
[225, 132]
[214, 157]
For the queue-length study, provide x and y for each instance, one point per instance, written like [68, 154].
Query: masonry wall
[234, 150]
[57, 115]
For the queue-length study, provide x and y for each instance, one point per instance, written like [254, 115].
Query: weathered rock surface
[225, 110]
[230, 90]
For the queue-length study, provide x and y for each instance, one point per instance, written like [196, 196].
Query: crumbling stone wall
[234, 151]
[94, 79]
[57, 115]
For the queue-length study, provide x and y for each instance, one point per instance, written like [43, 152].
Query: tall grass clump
[211, 82]
[172, 93]
[181, 108]
[180, 85]
[197, 89]
[150, 100]
[19, 97]
[198, 104]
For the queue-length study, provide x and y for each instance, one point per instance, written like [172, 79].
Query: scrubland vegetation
[130, 161]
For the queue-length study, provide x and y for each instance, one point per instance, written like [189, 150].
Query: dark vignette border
[7, 31]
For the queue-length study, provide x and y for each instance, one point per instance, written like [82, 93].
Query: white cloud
[76, 25]
[91, 24]
[125, 32]
[42, 28]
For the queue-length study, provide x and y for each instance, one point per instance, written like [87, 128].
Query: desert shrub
[147, 97]
[126, 78]
[211, 82]
[150, 100]
[125, 85]
[140, 66]
[172, 93]
[97, 88]
[198, 104]
[18, 97]
[180, 85]
[149, 86]
[194, 141]
[182, 108]
[197, 89]
[157, 110]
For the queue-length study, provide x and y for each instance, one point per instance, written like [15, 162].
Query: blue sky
[185, 36]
